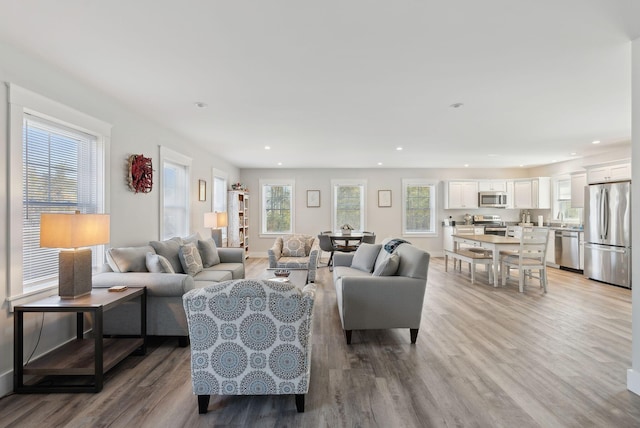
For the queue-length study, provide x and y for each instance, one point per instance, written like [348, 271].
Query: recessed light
[466, 165]
[267, 147]
[521, 166]
[279, 163]
[379, 163]
[595, 142]
[573, 153]
[398, 148]
[200, 104]
[554, 161]
[456, 105]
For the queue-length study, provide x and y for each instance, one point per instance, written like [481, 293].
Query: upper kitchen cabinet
[613, 171]
[532, 193]
[492, 185]
[578, 182]
[461, 194]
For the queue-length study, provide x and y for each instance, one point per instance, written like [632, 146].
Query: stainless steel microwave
[492, 199]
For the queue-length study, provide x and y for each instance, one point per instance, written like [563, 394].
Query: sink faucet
[561, 218]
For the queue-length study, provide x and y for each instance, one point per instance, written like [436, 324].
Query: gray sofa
[295, 252]
[168, 269]
[378, 289]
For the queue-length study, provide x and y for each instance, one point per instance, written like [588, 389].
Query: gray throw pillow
[388, 267]
[169, 249]
[190, 259]
[128, 259]
[365, 257]
[193, 239]
[208, 252]
[158, 264]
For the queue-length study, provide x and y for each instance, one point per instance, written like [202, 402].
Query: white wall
[134, 217]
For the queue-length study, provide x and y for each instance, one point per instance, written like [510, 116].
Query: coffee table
[297, 277]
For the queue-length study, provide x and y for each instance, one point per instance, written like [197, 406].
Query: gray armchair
[295, 252]
[250, 337]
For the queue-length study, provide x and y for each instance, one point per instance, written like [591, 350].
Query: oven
[493, 224]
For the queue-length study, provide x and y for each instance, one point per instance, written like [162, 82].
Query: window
[562, 202]
[348, 204]
[59, 157]
[418, 207]
[174, 220]
[277, 206]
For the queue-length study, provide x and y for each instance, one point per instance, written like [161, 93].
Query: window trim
[363, 202]
[167, 154]
[555, 207]
[263, 218]
[433, 184]
[22, 101]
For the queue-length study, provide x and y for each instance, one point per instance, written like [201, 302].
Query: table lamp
[73, 231]
[216, 221]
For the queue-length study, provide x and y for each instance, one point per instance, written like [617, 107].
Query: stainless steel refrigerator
[607, 233]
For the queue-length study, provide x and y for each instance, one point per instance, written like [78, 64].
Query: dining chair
[326, 244]
[531, 257]
[369, 237]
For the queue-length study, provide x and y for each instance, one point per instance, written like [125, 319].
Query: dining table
[495, 243]
[338, 237]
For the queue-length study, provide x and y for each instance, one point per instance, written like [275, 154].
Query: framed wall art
[313, 198]
[384, 198]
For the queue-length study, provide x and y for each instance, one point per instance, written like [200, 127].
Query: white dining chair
[531, 257]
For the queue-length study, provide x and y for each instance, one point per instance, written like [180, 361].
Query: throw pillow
[208, 252]
[388, 267]
[158, 264]
[294, 246]
[193, 239]
[169, 249]
[128, 259]
[190, 259]
[365, 257]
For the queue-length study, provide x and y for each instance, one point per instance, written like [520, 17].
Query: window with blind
[562, 201]
[348, 204]
[175, 193]
[60, 174]
[277, 206]
[418, 207]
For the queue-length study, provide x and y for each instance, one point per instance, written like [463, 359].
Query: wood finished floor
[485, 357]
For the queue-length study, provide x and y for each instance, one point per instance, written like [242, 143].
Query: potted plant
[346, 229]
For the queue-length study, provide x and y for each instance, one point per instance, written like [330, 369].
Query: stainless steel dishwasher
[568, 249]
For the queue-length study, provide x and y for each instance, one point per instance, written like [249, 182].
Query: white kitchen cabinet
[551, 249]
[618, 171]
[578, 183]
[581, 246]
[532, 193]
[461, 194]
[492, 186]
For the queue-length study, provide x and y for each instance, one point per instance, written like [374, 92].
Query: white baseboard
[633, 381]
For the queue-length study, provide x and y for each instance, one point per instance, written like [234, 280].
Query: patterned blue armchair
[250, 337]
[295, 252]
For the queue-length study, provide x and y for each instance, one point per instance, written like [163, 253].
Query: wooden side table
[83, 357]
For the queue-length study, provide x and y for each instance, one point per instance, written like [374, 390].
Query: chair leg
[521, 276]
[347, 334]
[414, 334]
[203, 403]
[300, 403]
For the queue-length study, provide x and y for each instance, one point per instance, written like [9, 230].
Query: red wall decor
[140, 174]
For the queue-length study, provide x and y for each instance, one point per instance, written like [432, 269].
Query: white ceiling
[342, 83]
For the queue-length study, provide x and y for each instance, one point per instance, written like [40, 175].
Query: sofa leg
[347, 333]
[414, 334]
[203, 403]
[300, 403]
[183, 341]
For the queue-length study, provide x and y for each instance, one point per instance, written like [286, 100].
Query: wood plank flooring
[485, 357]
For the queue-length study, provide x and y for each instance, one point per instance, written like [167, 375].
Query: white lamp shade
[215, 220]
[73, 230]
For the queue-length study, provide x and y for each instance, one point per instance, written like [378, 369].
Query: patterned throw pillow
[190, 259]
[158, 264]
[294, 246]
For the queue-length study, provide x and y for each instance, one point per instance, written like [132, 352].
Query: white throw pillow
[158, 264]
[128, 259]
[388, 267]
[365, 257]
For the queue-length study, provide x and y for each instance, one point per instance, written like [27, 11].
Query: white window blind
[60, 167]
[176, 199]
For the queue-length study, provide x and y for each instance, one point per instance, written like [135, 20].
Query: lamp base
[74, 273]
[216, 234]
